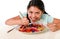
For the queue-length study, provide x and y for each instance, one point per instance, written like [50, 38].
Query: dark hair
[38, 3]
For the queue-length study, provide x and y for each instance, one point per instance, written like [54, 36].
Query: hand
[24, 21]
[52, 27]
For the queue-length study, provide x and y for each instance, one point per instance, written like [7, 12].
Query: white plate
[43, 31]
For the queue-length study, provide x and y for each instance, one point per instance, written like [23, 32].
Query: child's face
[34, 13]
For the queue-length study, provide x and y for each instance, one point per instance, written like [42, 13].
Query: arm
[57, 22]
[13, 21]
[55, 25]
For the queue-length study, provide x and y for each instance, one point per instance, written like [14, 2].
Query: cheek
[38, 16]
[29, 16]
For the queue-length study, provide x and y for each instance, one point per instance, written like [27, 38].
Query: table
[15, 34]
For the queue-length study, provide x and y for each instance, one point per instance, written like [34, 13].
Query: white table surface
[15, 34]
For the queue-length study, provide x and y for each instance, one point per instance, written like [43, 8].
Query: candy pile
[31, 28]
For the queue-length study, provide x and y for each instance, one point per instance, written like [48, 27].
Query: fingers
[52, 27]
[24, 21]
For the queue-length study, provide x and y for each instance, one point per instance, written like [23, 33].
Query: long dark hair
[38, 3]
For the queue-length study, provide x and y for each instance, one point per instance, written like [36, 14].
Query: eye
[37, 13]
[30, 12]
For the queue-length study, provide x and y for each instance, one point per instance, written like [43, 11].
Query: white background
[11, 8]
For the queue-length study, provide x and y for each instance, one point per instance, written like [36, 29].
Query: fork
[21, 16]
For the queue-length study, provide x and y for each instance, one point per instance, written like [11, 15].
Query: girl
[36, 14]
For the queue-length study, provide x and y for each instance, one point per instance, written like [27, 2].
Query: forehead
[33, 8]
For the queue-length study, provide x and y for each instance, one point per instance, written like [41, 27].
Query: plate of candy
[33, 28]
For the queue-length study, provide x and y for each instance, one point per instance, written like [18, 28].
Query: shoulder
[24, 15]
[47, 18]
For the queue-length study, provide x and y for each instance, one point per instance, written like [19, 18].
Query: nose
[33, 15]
